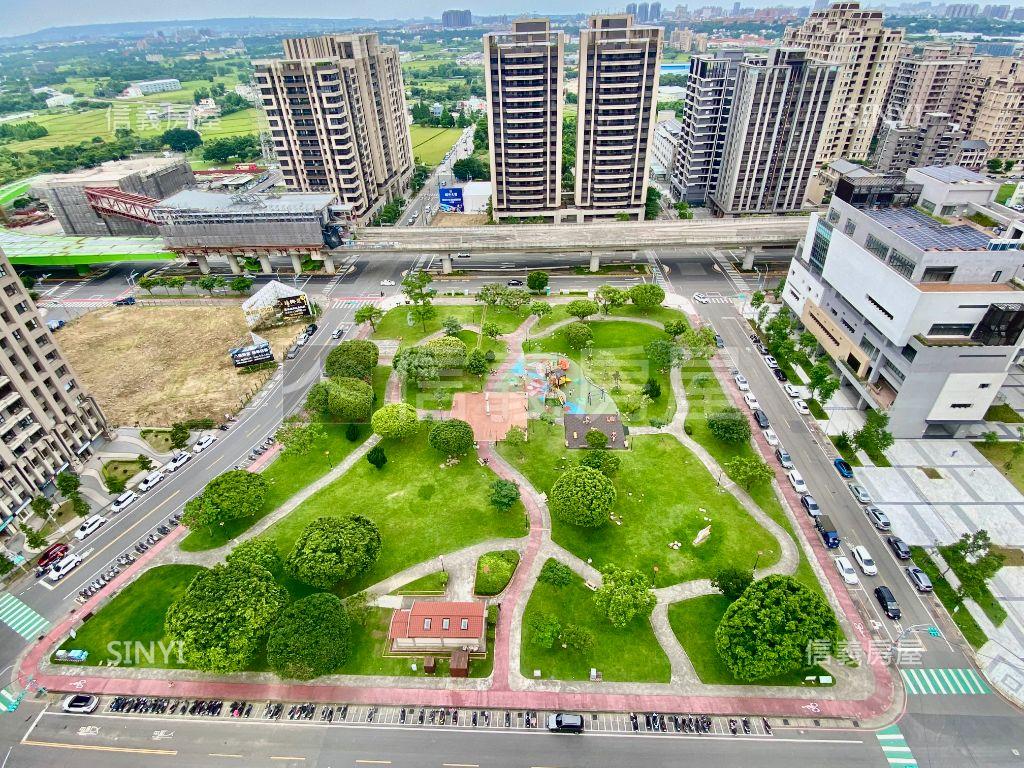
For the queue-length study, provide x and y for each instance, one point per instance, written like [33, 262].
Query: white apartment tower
[523, 70]
[336, 112]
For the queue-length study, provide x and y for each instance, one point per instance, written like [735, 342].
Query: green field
[429, 145]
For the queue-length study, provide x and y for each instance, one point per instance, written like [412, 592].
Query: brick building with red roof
[439, 627]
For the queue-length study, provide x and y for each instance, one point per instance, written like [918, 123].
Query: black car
[887, 600]
[753, 337]
[126, 301]
[899, 547]
[761, 418]
[514, 283]
[311, 329]
[780, 374]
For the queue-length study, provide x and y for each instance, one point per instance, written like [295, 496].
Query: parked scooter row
[241, 709]
[99, 582]
[302, 712]
[260, 449]
[141, 704]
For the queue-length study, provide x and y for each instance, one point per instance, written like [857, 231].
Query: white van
[89, 527]
[123, 501]
[150, 480]
[63, 567]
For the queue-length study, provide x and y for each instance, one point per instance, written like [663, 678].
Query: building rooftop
[848, 169]
[106, 174]
[927, 234]
[966, 287]
[426, 618]
[289, 202]
[953, 174]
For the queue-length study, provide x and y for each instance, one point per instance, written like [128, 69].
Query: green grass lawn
[136, 615]
[661, 488]
[397, 324]
[160, 439]
[658, 314]
[429, 145]
[494, 571]
[984, 598]
[437, 395]
[618, 352]
[123, 470]
[421, 509]
[999, 454]
[431, 584]
[630, 654]
[694, 622]
[962, 617]
[1005, 192]
[1004, 413]
[11, 192]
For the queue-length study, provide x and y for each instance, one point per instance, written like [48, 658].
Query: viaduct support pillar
[204, 264]
[296, 263]
[446, 264]
[328, 264]
[748, 259]
[595, 262]
[236, 268]
[265, 266]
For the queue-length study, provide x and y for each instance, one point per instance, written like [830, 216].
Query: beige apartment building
[990, 106]
[336, 111]
[47, 421]
[618, 98]
[524, 70]
[865, 51]
[926, 80]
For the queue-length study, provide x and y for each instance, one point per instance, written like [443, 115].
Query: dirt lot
[444, 219]
[157, 365]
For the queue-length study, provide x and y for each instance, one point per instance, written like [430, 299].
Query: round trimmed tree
[452, 437]
[396, 420]
[333, 549]
[227, 497]
[767, 630]
[582, 496]
[578, 335]
[349, 399]
[449, 352]
[355, 358]
[730, 425]
[259, 552]
[647, 296]
[311, 638]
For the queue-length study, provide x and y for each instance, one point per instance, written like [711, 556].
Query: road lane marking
[100, 748]
[373, 762]
[287, 757]
[216, 754]
[460, 765]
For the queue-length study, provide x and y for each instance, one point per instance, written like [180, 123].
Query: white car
[177, 462]
[700, 298]
[301, 341]
[770, 437]
[771, 362]
[863, 558]
[797, 481]
[790, 390]
[80, 704]
[151, 481]
[741, 382]
[801, 407]
[386, 283]
[89, 527]
[845, 569]
[123, 501]
[203, 443]
[63, 567]
[751, 400]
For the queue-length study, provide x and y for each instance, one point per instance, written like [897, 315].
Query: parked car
[151, 481]
[780, 374]
[751, 400]
[203, 443]
[843, 468]
[859, 493]
[55, 325]
[565, 722]
[338, 333]
[887, 600]
[863, 558]
[124, 501]
[827, 529]
[177, 461]
[80, 704]
[797, 481]
[293, 350]
[801, 407]
[878, 518]
[89, 527]
[770, 437]
[719, 342]
[514, 283]
[741, 382]
[899, 547]
[761, 418]
[301, 341]
[52, 554]
[761, 348]
[771, 362]
[784, 458]
[312, 328]
[386, 283]
[845, 569]
[919, 579]
[700, 298]
[810, 504]
[125, 301]
[790, 390]
[63, 567]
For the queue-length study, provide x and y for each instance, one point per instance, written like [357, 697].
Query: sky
[21, 16]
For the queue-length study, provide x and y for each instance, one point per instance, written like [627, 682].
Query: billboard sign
[294, 306]
[251, 355]
[450, 199]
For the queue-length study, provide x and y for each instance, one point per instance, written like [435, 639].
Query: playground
[554, 383]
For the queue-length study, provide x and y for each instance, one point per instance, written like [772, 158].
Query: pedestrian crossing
[657, 273]
[948, 682]
[895, 748]
[732, 273]
[22, 619]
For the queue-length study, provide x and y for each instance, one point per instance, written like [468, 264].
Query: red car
[52, 554]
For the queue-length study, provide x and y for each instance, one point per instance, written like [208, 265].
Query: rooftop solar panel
[926, 233]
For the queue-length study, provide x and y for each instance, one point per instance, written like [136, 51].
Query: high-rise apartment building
[618, 98]
[936, 140]
[865, 51]
[47, 421]
[707, 103]
[336, 112]
[643, 13]
[523, 71]
[779, 110]
[457, 19]
[926, 79]
[996, 11]
[961, 11]
[631, 9]
[990, 105]
[655, 12]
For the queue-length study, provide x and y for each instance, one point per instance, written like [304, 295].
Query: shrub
[578, 638]
[729, 425]
[452, 437]
[578, 335]
[544, 629]
[731, 581]
[555, 573]
[352, 432]
[582, 496]
[395, 420]
[355, 358]
[504, 494]
[449, 352]
[605, 462]
[377, 457]
[651, 388]
[494, 571]
[310, 638]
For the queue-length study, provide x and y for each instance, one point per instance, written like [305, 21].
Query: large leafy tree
[371, 314]
[647, 296]
[578, 335]
[874, 437]
[610, 297]
[748, 470]
[537, 281]
[730, 425]
[333, 549]
[258, 552]
[448, 351]
[418, 364]
[582, 496]
[347, 400]
[452, 437]
[396, 420]
[227, 497]
[766, 632]
[224, 616]
[491, 293]
[416, 286]
[581, 309]
[624, 594]
[311, 638]
[355, 358]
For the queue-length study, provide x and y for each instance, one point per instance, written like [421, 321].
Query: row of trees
[208, 283]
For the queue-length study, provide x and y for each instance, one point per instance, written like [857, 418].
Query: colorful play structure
[554, 377]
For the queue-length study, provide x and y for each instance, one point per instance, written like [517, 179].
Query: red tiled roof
[410, 622]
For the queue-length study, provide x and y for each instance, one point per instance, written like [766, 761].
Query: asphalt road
[427, 199]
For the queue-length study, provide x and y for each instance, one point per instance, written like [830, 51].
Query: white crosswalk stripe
[732, 273]
[657, 274]
[19, 617]
[947, 682]
[895, 748]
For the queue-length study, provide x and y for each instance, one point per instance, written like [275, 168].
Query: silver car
[80, 704]
[860, 493]
[919, 579]
[878, 518]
